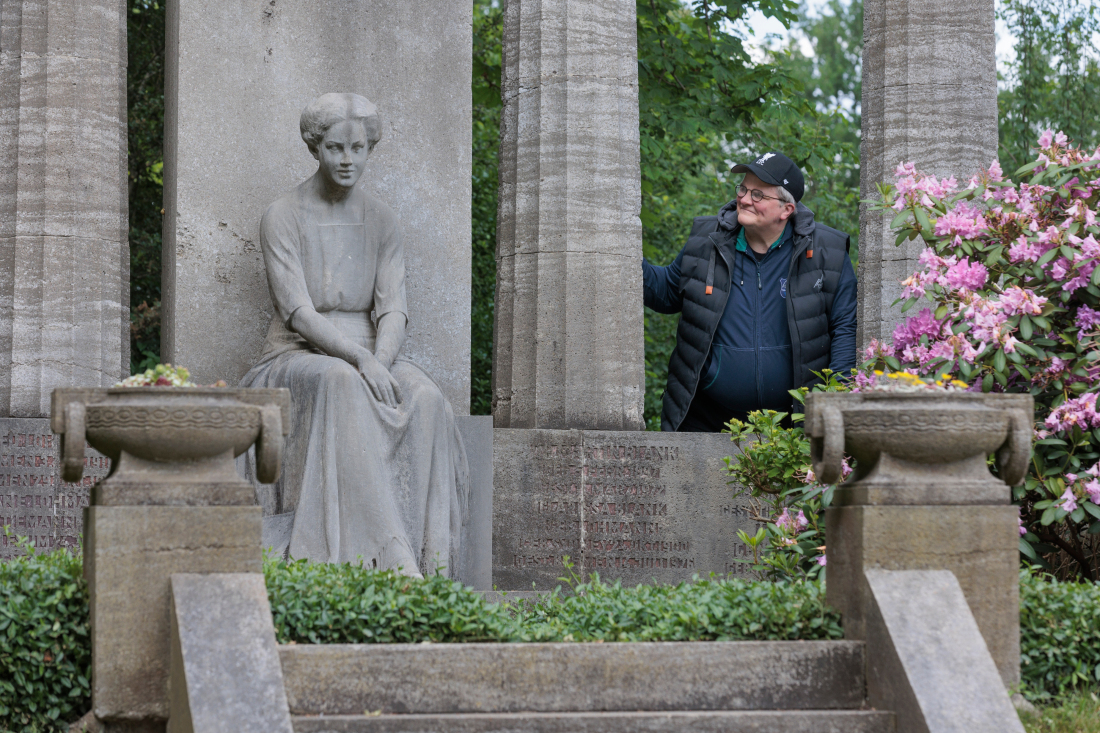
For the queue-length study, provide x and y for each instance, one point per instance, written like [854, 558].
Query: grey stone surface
[926, 659]
[35, 502]
[375, 471]
[921, 447]
[929, 96]
[631, 506]
[170, 446]
[976, 543]
[129, 554]
[225, 672]
[343, 679]
[740, 721]
[568, 345]
[237, 77]
[477, 534]
[64, 251]
[922, 498]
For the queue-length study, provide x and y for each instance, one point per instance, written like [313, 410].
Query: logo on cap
[764, 158]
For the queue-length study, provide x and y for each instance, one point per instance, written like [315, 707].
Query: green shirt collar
[743, 245]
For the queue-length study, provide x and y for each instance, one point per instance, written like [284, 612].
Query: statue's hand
[379, 380]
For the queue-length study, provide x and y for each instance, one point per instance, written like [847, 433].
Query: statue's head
[341, 130]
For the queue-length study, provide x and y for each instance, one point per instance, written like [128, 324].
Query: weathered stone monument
[929, 96]
[237, 78]
[571, 484]
[64, 254]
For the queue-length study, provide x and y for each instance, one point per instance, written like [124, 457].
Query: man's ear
[789, 210]
[313, 151]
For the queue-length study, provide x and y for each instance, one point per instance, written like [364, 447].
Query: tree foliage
[145, 126]
[1054, 79]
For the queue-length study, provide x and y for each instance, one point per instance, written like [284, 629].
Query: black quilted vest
[811, 286]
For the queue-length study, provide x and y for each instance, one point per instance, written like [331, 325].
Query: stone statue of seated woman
[374, 470]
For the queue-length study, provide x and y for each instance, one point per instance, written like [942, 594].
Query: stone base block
[976, 543]
[129, 554]
[926, 660]
[477, 550]
[638, 507]
[225, 671]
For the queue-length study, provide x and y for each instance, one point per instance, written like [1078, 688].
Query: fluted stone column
[64, 254]
[568, 341]
[929, 96]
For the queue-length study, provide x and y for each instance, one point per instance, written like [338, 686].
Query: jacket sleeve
[842, 322]
[661, 286]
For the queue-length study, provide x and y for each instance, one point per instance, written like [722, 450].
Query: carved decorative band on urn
[169, 445]
[920, 448]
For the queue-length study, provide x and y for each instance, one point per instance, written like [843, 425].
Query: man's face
[766, 212]
[343, 153]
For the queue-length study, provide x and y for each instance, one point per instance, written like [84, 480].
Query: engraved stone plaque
[634, 506]
[34, 501]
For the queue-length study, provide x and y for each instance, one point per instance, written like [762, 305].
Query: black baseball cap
[778, 170]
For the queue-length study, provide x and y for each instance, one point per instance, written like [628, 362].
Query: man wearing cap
[767, 297]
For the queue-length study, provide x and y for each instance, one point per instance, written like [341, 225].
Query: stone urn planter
[926, 447]
[172, 445]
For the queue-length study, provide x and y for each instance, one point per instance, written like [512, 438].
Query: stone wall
[238, 76]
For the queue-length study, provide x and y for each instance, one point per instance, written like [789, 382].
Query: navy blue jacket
[750, 361]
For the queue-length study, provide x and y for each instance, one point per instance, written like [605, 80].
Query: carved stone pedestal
[922, 499]
[171, 504]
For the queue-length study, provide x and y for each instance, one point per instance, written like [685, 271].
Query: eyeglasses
[756, 194]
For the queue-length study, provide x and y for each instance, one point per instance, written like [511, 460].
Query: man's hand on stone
[379, 380]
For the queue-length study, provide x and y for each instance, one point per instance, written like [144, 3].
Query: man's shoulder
[827, 236]
[704, 225]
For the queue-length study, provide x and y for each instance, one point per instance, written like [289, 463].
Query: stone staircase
[795, 687]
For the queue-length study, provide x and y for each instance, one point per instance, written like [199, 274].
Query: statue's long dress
[365, 482]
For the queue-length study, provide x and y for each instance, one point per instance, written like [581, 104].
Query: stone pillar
[929, 96]
[568, 346]
[64, 250]
[237, 76]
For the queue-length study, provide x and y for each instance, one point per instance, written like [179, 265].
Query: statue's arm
[391, 337]
[316, 329]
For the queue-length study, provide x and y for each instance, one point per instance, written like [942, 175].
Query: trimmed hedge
[328, 604]
[1059, 636]
[45, 650]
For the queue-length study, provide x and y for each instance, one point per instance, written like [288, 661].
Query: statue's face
[343, 153]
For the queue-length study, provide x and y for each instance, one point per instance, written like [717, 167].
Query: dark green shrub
[330, 604]
[1059, 636]
[706, 610]
[45, 650]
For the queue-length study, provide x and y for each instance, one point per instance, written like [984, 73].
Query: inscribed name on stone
[34, 502]
[635, 506]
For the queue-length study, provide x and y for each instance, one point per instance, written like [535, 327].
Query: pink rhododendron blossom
[1093, 490]
[1069, 501]
[1060, 138]
[909, 333]
[1046, 138]
[1017, 301]
[962, 221]
[966, 274]
[1057, 366]
[810, 476]
[1077, 412]
[1022, 250]
[1023, 529]
[800, 522]
[1087, 318]
[821, 560]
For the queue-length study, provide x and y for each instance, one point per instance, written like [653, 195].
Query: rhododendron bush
[1007, 299]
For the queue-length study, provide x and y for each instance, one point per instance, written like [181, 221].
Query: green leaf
[901, 218]
[923, 220]
[999, 360]
[987, 383]
[1025, 326]
[1048, 516]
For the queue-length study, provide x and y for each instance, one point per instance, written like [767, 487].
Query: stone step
[690, 721]
[349, 679]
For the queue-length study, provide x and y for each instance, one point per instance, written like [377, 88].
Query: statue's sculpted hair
[329, 109]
